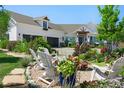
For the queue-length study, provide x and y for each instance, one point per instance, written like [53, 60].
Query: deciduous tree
[110, 27]
[4, 21]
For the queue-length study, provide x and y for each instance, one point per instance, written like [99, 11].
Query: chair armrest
[109, 70]
[102, 69]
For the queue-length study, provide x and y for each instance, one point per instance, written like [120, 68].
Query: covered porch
[82, 36]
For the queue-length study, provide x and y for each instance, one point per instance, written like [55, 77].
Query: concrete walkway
[62, 52]
[15, 54]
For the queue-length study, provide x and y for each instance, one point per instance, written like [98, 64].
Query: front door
[81, 39]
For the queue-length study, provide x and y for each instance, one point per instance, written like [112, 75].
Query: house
[26, 27]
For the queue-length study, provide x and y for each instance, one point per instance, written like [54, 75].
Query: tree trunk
[109, 46]
[114, 45]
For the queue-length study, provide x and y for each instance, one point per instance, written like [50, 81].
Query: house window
[91, 38]
[45, 25]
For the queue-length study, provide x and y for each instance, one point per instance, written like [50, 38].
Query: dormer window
[45, 25]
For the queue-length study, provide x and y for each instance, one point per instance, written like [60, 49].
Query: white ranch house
[26, 27]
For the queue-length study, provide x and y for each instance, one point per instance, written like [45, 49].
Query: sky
[62, 14]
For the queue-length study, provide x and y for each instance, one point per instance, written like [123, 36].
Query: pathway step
[18, 71]
[15, 78]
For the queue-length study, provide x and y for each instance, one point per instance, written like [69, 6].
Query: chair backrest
[46, 51]
[118, 64]
[34, 54]
[43, 58]
[116, 67]
[47, 61]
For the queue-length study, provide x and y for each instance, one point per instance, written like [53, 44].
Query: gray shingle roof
[67, 28]
[23, 18]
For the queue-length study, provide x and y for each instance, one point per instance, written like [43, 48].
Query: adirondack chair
[50, 70]
[39, 63]
[113, 71]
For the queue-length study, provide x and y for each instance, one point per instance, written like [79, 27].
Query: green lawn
[102, 64]
[7, 63]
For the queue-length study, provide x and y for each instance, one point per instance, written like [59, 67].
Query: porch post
[88, 38]
[77, 39]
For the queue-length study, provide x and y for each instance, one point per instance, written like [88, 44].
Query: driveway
[65, 51]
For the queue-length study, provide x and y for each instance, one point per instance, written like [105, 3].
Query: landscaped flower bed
[102, 84]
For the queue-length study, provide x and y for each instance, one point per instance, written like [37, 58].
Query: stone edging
[30, 81]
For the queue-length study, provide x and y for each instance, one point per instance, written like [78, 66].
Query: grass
[7, 63]
[99, 63]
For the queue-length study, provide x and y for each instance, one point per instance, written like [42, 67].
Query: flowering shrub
[79, 49]
[83, 65]
[103, 50]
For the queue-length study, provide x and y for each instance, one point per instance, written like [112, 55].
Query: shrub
[4, 43]
[83, 65]
[119, 51]
[121, 72]
[100, 46]
[83, 48]
[103, 50]
[99, 58]
[82, 56]
[101, 84]
[39, 42]
[11, 45]
[67, 68]
[91, 54]
[21, 46]
[76, 50]
[72, 44]
[25, 61]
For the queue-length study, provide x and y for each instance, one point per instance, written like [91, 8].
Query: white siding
[12, 33]
[38, 31]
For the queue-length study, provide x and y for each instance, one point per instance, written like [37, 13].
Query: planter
[67, 82]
